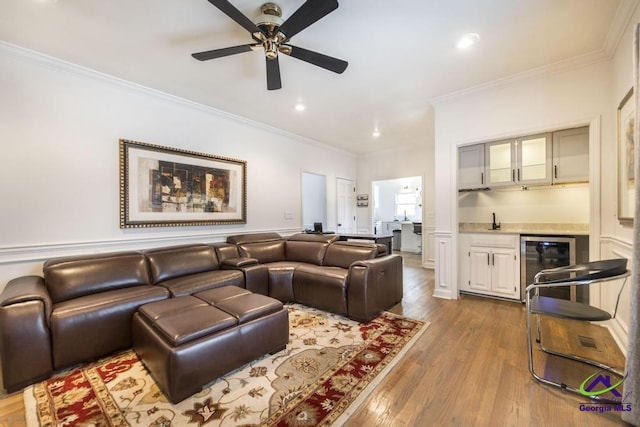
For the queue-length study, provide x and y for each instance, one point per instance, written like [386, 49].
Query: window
[406, 204]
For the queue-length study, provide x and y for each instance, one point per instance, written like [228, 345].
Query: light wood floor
[470, 368]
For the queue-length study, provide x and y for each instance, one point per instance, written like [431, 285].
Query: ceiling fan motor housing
[270, 19]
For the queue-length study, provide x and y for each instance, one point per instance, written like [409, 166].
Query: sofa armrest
[27, 288]
[256, 275]
[374, 285]
[25, 340]
[238, 262]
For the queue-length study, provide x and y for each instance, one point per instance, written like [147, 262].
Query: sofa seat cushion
[321, 287]
[213, 296]
[94, 325]
[187, 285]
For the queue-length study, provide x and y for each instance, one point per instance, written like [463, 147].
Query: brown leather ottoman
[189, 341]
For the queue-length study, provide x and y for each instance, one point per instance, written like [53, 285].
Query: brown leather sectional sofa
[81, 308]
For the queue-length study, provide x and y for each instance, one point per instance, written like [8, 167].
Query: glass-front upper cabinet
[519, 161]
[534, 159]
[500, 157]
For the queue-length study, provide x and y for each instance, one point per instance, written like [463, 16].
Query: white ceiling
[401, 55]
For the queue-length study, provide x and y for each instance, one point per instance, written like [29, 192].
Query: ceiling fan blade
[327, 62]
[233, 13]
[219, 53]
[310, 12]
[273, 74]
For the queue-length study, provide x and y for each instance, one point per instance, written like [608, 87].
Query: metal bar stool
[574, 275]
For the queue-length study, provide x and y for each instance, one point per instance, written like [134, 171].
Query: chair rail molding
[25, 260]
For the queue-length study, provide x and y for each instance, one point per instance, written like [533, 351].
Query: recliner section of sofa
[82, 306]
[185, 270]
[320, 271]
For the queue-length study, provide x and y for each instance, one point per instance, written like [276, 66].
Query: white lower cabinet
[490, 264]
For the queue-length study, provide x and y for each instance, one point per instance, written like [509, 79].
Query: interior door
[346, 205]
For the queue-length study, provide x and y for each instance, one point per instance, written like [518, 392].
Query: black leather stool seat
[189, 341]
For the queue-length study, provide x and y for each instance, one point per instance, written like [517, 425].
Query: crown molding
[556, 67]
[620, 22]
[60, 64]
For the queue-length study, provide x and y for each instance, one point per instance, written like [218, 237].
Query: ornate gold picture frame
[626, 162]
[169, 187]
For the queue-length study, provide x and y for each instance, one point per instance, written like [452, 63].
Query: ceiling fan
[272, 35]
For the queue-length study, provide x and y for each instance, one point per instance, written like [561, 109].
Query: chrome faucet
[494, 226]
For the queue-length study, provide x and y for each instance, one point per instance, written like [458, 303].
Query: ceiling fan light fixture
[270, 49]
[467, 40]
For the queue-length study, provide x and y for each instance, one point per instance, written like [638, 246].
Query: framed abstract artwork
[169, 187]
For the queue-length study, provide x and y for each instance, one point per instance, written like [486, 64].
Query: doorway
[314, 200]
[397, 209]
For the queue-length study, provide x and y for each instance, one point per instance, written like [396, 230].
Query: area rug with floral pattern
[329, 367]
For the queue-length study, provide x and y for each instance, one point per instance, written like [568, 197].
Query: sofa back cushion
[343, 254]
[225, 251]
[175, 261]
[264, 252]
[265, 247]
[253, 238]
[73, 277]
[308, 248]
[308, 252]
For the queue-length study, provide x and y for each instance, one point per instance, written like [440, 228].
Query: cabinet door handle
[488, 257]
[555, 171]
[518, 174]
[513, 175]
[482, 178]
[493, 259]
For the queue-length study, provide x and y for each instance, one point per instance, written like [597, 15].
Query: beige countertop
[525, 228]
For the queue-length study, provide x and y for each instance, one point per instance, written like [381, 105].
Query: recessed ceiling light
[467, 40]
[300, 107]
[376, 133]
